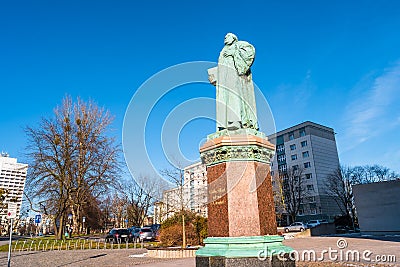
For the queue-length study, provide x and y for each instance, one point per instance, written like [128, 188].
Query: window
[283, 168]
[310, 187]
[306, 154]
[307, 165]
[272, 173]
[294, 157]
[308, 175]
[280, 148]
[302, 132]
[293, 147]
[304, 143]
[311, 199]
[281, 158]
[295, 167]
[291, 136]
[313, 211]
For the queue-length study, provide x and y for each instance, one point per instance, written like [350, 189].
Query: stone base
[242, 262]
[249, 251]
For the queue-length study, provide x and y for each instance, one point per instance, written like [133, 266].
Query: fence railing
[74, 244]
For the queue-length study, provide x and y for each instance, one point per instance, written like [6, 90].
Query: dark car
[134, 233]
[121, 235]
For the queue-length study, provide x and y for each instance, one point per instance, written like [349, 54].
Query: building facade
[12, 181]
[196, 188]
[377, 207]
[312, 148]
[192, 196]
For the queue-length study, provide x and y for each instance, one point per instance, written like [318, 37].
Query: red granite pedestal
[239, 186]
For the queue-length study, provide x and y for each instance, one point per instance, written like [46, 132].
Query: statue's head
[230, 38]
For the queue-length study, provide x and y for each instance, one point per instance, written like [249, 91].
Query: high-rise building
[196, 187]
[12, 181]
[192, 196]
[312, 148]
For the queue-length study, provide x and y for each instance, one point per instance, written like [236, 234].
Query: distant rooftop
[302, 125]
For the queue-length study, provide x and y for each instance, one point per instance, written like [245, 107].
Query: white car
[314, 223]
[295, 227]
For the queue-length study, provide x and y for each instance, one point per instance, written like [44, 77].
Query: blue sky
[336, 63]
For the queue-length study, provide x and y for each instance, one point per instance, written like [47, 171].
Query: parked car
[146, 233]
[120, 235]
[314, 223]
[134, 233]
[295, 227]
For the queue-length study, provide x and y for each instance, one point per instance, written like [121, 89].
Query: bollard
[15, 247]
[142, 244]
[23, 246]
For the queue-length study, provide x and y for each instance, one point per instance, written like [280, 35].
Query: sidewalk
[137, 257]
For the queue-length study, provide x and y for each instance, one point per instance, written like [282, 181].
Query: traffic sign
[38, 218]
[12, 210]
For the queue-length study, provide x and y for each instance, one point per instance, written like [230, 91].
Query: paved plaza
[130, 257]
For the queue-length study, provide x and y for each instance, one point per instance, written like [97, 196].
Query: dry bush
[195, 228]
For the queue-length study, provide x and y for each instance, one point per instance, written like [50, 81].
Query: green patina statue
[236, 105]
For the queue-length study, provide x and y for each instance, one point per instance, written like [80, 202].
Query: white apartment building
[311, 147]
[193, 195]
[12, 180]
[196, 187]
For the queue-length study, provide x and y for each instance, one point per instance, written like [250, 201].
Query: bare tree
[74, 158]
[105, 210]
[141, 194]
[118, 209]
[339, 187]
[290, 191]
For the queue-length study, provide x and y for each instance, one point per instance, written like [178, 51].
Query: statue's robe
[236, 106]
